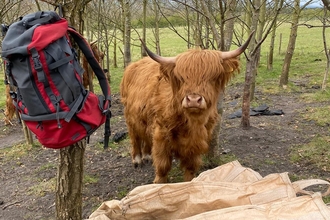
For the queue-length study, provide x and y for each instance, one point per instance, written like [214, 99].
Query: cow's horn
[238, 51]
[156, 57]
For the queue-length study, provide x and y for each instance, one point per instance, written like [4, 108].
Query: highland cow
[171, 106]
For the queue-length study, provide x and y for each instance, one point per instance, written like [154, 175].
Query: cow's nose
[193, 101]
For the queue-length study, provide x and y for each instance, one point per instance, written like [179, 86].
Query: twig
[51, 205]
[10, 204]
[6, 118]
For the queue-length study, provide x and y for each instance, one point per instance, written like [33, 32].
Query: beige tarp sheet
[227, 192]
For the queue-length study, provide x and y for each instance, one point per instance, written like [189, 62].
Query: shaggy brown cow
[170, 106]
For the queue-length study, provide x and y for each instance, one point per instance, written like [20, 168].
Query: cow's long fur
[158, 124]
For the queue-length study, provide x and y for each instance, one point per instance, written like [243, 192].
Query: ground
[28, 175]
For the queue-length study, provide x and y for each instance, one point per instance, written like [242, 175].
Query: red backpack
[44, 67]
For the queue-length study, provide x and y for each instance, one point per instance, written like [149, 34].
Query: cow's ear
[230, 67]
[166, 69]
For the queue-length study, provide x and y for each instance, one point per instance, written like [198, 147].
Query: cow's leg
[161, 156]
[162, 164]
[136, 144]
[190, 166]
[146, 152]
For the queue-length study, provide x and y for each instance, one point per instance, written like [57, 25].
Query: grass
[315, 152]
[318, 115]
[317, 96]
[18, 151]
[42, 186]
[88, 179]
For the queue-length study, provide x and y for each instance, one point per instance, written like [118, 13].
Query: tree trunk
[260, 28]
[127, 32]
[70, 169]
[229, 24]
[69, 182]
[291, 45]
[27, 133]
[144, 28]
[272, 41]
[326, 51]
[271, 49]
[250, 67]
[326, 4]
[245, 122]
[157, 38]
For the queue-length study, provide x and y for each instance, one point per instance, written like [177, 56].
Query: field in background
[308, 61]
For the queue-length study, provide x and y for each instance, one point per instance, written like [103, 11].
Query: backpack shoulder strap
[85, 48]
[87, 51]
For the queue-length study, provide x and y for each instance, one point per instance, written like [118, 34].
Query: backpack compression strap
[87, 51]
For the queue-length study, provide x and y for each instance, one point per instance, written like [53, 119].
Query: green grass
[315, 152]
[42, 186]
[88, 179]
[317, 96]
[18, 151]
[318, 115]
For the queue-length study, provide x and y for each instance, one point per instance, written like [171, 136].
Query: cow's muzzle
[194, 101]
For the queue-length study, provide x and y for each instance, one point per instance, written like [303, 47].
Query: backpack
[44, 67]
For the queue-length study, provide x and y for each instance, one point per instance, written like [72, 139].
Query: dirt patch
[28, 180]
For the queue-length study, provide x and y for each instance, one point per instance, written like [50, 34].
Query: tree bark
[260, 30]
[250, 66]
[326, 51]
[69, 182]
[70, 168]
[27, 133]
[127, 32]
[245, 122]
[144, 28]
[157, 18]
[291, 45]
[229, 24]
[326, 4]
[272, 41]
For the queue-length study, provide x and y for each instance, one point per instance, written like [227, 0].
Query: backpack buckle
[37, 65]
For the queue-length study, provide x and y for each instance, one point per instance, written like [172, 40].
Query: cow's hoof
[147, 159]
[137, 161]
